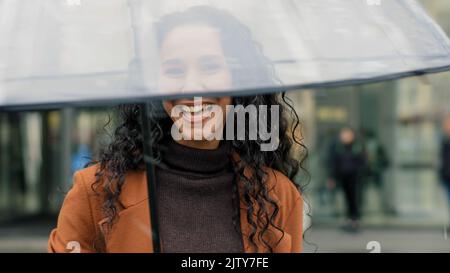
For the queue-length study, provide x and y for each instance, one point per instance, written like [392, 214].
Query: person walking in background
[445, 158]
[377, 160]
[81, 158]
[376, 163]
[347, 162]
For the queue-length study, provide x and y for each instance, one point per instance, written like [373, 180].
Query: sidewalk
[33, 238]
[28, 237]
[410, 240]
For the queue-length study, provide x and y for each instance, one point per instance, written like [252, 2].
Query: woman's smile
[196, 110]
[198, 119]
[197, 113]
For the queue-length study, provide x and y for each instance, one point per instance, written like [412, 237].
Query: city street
[390, 240]
[33, 238]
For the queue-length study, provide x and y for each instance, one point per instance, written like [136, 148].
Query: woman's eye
[174, 72]
[210, 68]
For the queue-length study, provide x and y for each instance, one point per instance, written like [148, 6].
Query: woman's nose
[192, 83]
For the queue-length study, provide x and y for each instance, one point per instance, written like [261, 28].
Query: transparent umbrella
[78, 51]
[56, 53]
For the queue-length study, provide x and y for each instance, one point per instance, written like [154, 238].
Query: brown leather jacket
[81, 220]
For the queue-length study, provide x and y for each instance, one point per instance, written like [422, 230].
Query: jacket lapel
[132, 230]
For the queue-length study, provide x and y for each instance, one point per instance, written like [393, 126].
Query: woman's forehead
[192, 40]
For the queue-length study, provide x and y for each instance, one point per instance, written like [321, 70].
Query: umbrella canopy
[63, 52]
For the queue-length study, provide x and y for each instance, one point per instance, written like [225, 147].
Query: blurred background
[401, 201]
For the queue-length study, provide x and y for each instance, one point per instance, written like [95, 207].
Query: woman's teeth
[198, 108]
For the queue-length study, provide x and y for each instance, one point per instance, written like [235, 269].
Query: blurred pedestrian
[376, 163]
[377, 160]
[347, 162]
[445, 156]
[81, 158]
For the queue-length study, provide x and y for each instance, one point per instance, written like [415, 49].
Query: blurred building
[39, 152]
[405, 116]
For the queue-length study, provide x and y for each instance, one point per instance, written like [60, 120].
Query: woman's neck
[198, 161]
[200, 144]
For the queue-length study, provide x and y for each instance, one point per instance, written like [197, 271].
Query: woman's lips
[196, 113]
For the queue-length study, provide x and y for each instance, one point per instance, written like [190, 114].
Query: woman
[444, 170]
[213, 195]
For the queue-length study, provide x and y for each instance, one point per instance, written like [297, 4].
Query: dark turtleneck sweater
[195, 189]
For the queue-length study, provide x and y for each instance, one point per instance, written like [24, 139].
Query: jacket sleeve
[75, 231]
[294, 225]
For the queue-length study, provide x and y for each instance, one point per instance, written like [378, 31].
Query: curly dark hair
[125, 152]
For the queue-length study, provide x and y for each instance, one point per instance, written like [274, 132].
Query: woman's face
[192, 60]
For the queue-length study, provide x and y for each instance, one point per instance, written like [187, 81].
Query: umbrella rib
[151, 181]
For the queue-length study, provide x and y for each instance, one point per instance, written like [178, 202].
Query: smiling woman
[214, 195]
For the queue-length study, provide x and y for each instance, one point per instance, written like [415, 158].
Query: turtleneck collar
[178, 157]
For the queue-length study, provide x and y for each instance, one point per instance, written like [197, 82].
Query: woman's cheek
[170, 86]
[168, 107]
[217, 82]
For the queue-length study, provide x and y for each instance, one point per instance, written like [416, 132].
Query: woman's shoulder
[87, 177]
[86, 185]
[284, 188]
[94, 174]
[94, 180]
[88, 173]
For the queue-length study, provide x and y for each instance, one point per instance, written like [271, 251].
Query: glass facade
[404, 119]
[40, 151]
